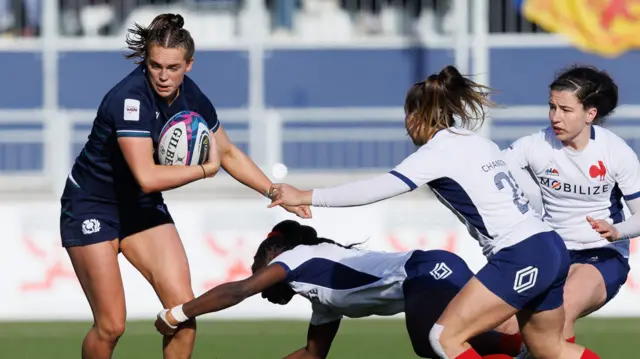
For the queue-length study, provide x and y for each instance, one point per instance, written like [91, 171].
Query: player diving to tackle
[343, 281]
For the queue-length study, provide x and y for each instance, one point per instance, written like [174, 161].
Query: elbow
[149, 184]
[148, 188]
[228, 154]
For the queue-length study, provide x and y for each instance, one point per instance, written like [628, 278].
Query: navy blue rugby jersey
[131, 109]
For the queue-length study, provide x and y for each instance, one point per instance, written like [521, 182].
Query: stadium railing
[326, 129]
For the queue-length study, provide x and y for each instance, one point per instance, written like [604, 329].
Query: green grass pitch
[371, 339]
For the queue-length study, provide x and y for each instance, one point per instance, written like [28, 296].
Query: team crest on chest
[599, 171]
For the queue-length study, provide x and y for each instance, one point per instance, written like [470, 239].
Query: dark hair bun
[307, 233]
[177, 21]
[288, 228]
[295, 231]
[167, 21]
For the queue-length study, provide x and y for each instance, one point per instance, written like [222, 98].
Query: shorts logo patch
[440, 271]
[161, 208]
[525, 279]
[90, 226]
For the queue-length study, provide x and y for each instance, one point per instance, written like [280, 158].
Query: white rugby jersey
[574, 184]
[469, 174]
[346, 282]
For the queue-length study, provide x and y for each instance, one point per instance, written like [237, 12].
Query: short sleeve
[290, 260]
[323, 315]
[132, 115]
[627, 170]
[517, 153]
[419, 168]
[209, 113]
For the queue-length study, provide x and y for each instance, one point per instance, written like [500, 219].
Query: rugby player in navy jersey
[112, 200]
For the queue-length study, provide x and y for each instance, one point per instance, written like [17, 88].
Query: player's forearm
[631, 227]
[163, 178]
[245, 171]
[221, 297]
[302, 353]
[358, 193]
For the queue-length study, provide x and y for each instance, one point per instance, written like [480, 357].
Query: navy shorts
[531, 274]
[434, 278]
[613, 266]
[438, 273]
[88, 219]
[435, 268]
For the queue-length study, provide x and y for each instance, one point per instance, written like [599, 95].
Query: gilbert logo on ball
[184, 140]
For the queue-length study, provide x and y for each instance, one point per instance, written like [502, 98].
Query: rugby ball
[184, 140]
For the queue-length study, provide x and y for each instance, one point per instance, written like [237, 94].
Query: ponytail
[165, 30]
[294, 234]
[432, 104]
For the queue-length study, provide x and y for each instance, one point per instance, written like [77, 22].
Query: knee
[584, 291]
[436, 339]
[569, 321]
[110, 330]
[510, 326]
[176, 295]
[574, 305]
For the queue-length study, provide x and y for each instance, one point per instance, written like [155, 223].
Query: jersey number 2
[500, 178]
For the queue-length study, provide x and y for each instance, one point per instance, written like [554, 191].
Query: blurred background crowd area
[316, 85]
[223, 19]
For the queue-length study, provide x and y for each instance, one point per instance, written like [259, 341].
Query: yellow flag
[605, 27]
